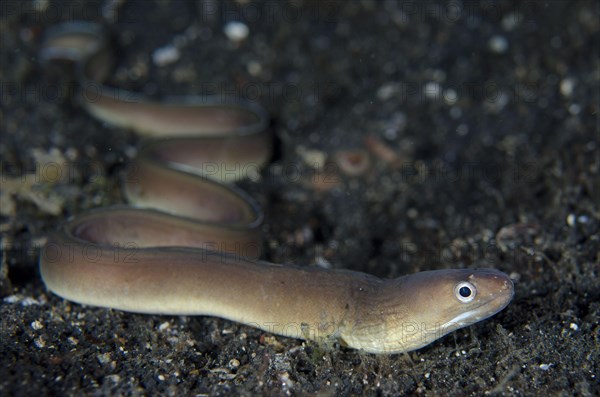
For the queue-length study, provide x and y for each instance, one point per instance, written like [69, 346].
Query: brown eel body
[189, 244]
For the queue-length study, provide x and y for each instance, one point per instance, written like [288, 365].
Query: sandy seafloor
[489, 111]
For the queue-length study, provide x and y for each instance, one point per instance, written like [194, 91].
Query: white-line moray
[162, 253]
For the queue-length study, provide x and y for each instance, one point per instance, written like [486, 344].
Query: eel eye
[465, 292]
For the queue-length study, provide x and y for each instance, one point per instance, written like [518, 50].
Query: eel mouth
[485, 309]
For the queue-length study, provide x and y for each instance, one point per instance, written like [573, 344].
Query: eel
[189, 243]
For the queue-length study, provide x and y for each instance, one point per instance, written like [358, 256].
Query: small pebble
[12, 299]
[498, 44]
[25, 301]
[567, 86]
[236, 31]
[312, 157]
[583, 219]
[164, 326]
[387, 91]
[41, 5]
[432, 90]
[165, 55]
[496, 101]
[450, 96]
[395, 125]
[455, 112]
[462, 129]
[511, 20]
[37, 325]
[40, 342]
[322, 262]
[285, 380]
[254, 68]
[103, 358]
[574, 109]
[574, 327]
[113, 378]
[412, 213]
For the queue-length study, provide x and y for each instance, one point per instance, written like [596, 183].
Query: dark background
[498, 169]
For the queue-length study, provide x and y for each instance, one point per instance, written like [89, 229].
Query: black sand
[510, 144]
